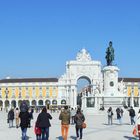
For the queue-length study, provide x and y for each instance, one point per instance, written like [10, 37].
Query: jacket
[132, 112]
[11, 115]
[24, 119]
[43, 120]
[79, 119]
[65, 117]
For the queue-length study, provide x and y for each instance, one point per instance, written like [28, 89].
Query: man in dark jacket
[132, 115]
[24, 123]
[10, 118]
[43, 121]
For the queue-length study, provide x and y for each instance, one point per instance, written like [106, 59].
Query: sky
[37, 37]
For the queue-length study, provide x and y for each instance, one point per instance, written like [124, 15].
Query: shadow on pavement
[130, 138]
[27, 138]
[59, 138]
[116, 124]
[73, 137]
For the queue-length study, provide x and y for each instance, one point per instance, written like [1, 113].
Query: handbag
[134, 132]
[84, 125]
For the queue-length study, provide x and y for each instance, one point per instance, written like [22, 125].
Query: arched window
[63, 102]
[40, 102]
[54, 102]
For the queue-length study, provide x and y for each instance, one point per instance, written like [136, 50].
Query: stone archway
[83, 67]
[19, 103]
[34, 103]
[54, 102]
[40, 102]
[63, 102]
[47, 103]
[13, 103]
[83, 88]
[7, 103]
[27, 102]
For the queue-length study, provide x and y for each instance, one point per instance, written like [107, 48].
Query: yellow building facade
[36, 92]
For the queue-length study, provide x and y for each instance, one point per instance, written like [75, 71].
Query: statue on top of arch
[83, 55]
[110, 54]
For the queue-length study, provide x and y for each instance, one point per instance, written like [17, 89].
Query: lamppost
[6, 97]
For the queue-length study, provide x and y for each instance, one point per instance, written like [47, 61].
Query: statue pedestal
[110, 74]
[111, 95]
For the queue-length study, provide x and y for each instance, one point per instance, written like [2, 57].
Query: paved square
[97, 128]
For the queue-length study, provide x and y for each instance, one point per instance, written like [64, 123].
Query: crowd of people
[67, 116]
[119, 115]
[24, 115]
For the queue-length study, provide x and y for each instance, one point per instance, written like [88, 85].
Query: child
[37, 131]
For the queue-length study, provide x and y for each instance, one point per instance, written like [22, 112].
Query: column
[16, 103]
[74, 97]
[10, 104]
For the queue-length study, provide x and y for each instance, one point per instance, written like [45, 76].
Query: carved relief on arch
[83, 56]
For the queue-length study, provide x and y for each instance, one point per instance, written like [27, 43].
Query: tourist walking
[11, 118]
[110, 116]
[72, 113]
[31, 116]
[132, 115]
[24, 119]
[43, 122]
[65, 121]
[17, 117]
[24, 123]
[79, 119]
[119, 115]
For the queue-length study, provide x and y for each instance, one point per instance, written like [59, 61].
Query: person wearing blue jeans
[43, 122]
[45, 133]
[24, 130]
[132, 115]
[81, 132]
[24, 123]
